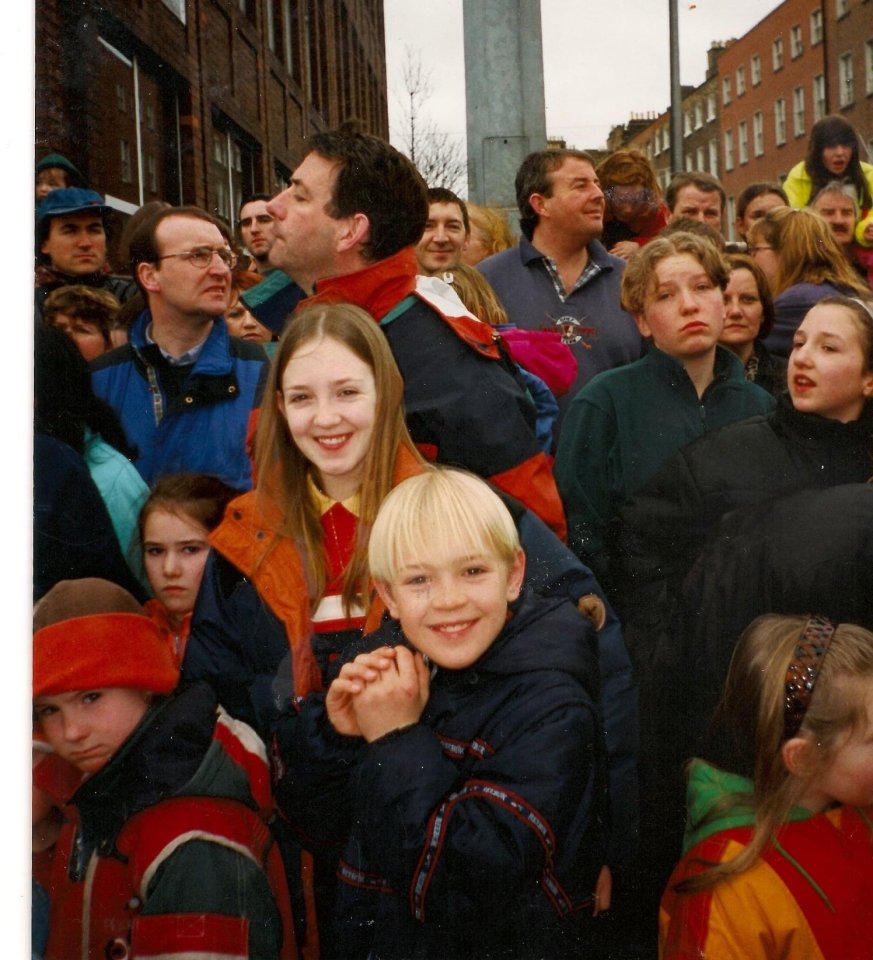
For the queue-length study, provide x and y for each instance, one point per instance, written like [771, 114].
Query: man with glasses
[182, 386]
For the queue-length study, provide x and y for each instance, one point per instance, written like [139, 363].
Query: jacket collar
[213, 360]
[376, 288]
[727, 365]
[161, 755]
[596, 252]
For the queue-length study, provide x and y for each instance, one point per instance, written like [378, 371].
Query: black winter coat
[666, 525]
[478, 831]
[728, 528]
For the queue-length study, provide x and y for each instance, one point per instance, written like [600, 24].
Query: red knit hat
[91, 634]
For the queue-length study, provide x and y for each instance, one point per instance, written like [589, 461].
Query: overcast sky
[603, 59]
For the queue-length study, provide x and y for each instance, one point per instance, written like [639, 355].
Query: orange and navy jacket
[251, 633]
[463, 406]
[168, 852]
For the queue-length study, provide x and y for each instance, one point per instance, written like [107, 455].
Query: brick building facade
[750, 119]
[848, 28]
[772, 86]
[201, 101]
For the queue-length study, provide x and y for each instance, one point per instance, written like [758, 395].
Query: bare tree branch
[438, 156]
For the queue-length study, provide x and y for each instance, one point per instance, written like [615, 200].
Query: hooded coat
[168, 852]
[477, 831]
[808, 895]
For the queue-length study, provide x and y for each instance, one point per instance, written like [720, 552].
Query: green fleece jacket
[628, 421]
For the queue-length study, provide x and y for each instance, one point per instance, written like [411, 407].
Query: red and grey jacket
[463, 406]
[168, 852]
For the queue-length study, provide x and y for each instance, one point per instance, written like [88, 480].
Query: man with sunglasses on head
[183, 387]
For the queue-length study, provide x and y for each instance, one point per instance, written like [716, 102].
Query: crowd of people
[406, 588]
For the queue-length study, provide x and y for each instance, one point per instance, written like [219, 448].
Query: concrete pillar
[506, 107]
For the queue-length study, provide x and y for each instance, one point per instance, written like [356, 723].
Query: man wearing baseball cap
[71, 245]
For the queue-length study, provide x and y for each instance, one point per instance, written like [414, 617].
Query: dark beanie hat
[91, 633]
[57, 160]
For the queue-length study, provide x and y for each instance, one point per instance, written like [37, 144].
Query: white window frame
[779, 121]
[796, 41]
[756, 70]
[758, 133]
[176, 7]
[868, 67]
[778, 54]
[742, 142]
[741, 80]
[728, 150]
[711, 107]
[799, 110]
[818, 97]
[726, 90]
[816, 27]
[126, 164]
[846, 81]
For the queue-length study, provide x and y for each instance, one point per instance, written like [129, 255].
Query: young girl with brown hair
[286, 585]
[174, 527]
[779, 858]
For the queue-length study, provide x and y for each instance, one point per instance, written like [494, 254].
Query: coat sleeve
[751, 916]
[797, 185]
[228, 910]
[553, 570]
[589, 478]
[452, 847]
[311, 769]
[472, 412]
[238, 646]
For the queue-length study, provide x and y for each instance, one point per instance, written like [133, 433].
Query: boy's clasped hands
[378, 692]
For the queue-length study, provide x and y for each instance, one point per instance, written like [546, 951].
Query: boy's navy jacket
[478, 831]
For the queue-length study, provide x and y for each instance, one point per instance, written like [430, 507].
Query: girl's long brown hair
[753, 706]
[283, 472]
[807, 251]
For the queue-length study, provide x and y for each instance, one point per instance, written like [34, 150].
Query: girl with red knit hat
[166, 851]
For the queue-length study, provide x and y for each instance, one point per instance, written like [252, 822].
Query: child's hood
[185, 746]
[719, 800]
[545, 634]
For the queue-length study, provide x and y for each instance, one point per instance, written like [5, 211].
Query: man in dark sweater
[560, 276]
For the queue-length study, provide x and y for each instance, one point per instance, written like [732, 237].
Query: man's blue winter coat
[203, 430]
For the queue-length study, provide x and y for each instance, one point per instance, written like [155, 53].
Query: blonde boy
[468, 732]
